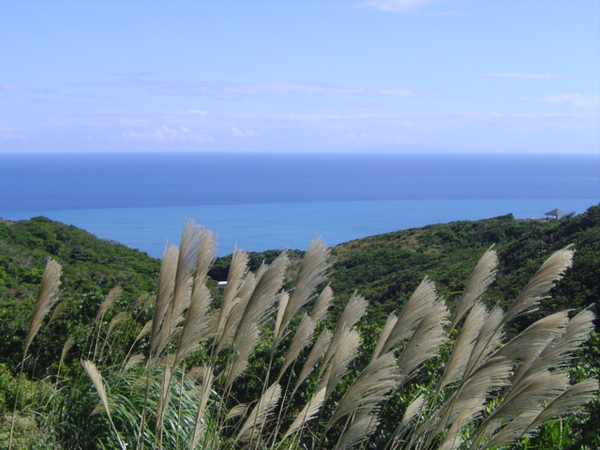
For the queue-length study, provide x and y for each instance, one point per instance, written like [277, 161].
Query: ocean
[275, 201]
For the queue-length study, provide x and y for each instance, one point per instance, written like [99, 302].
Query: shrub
[268, 368]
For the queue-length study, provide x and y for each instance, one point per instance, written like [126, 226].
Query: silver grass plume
[243, 351]
[66, 347]
[463, 346]
[528, 344]
[113, 295]
[489, 338]
[197, 323]
[569, 402]
[237, 411]
[144, 331]
[551, 271]
[413, 410]
[363, 425]
[205, 254]
[370, 388]
[166, 334]
[196, 373]
[315, 355]
[199, 427]
[117, 319]
[59, 311]
[237, 270]
[255, 315]
[530, 398]
[261, 302]
[312, 272]
[266, 404]
[96, 378]
[526, 397]
[512, 431]
[559, 351]
[184, 277]
[307, 413]
[236, 311]
[322, 304]
[135, 360]
[200, 296]
[454, 438]
[526, 347]
[389, 325]
[418, 305]
[166, 286]
[47, 297]
[482, 276]
[425, 342]
[163, 399]
[284, 298]
[99, 408]
[301, 339]
[353, 312]
[520, 410]
[469, 402]
[345, 352]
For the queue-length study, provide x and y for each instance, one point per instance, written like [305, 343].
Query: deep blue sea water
[267, 201]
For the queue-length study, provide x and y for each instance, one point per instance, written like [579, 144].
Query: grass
[268, 368]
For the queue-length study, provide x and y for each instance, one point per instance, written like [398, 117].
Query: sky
[300, 76]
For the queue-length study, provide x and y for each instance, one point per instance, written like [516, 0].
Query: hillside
[385, 269]
[91, 267]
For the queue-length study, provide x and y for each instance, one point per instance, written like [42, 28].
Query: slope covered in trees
[386, 268]
[103, 324]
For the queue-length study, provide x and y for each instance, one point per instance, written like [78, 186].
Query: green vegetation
[91, 268]
[290, 354]
[387, 268]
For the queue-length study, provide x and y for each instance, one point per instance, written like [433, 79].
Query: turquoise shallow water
[275, 201]
[257, 227]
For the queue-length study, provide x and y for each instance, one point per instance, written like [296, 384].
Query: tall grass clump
[263, 365]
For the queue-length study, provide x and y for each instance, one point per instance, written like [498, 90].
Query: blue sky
[312, 75]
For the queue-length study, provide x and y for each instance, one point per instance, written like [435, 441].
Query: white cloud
[13, 88]
[191, 112]
[236, 91]
[9, 88]
[532, 76]
[166, 134]
[248, 133]
[576, 100]
[105, 112]
[115, 112]
[402, 6]
[304, 117]
[286, 88]
[11, 135]
[310, 87]
[397, 92]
